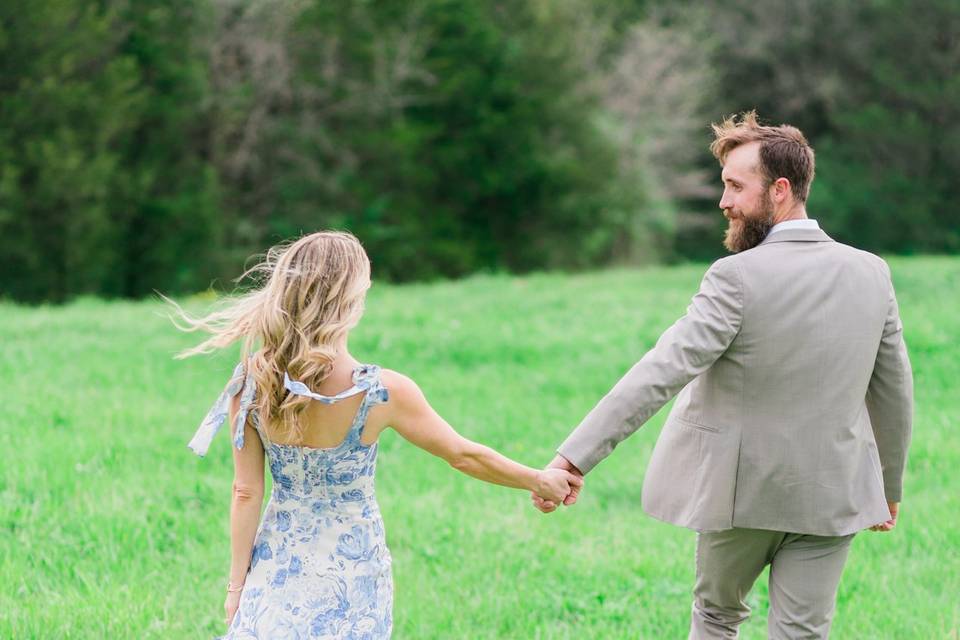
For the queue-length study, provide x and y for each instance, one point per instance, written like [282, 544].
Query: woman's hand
[231, 604]
[553, 485]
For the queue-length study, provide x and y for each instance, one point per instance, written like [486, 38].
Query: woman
[318, 565]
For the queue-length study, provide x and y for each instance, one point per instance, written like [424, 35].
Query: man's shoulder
[830, 248]
[726, 267]
[852, 253]
[724, 277]
[852, 250]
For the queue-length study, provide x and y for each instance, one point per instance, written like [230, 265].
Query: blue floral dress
[320, 566]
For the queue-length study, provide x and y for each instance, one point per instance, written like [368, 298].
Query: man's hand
[892, 522]
[555, 485]
[548, 506]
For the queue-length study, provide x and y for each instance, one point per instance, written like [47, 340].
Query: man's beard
[746, 232]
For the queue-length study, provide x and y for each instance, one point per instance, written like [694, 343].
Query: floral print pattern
[320, 566]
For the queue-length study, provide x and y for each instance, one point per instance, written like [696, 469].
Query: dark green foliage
[875, 87]
[890, 158]
[169, 194]
[69, 100]
[452, 136]
[157, 144]
[104, 188]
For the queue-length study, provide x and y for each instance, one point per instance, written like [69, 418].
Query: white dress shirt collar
[805, 223]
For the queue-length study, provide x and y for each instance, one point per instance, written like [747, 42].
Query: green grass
[111, 528]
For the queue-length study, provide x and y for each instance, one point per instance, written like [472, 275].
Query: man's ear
[781, 189]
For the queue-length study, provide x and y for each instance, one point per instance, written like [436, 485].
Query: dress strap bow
[240, 382]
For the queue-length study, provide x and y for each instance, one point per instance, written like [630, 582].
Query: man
[791, 429]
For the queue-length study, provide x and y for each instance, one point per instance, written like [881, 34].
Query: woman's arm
[414, 419]
[245, 504]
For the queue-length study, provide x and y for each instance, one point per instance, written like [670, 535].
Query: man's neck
[796, 212]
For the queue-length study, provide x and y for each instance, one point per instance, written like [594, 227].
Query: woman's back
[325, 425]
[320, 565]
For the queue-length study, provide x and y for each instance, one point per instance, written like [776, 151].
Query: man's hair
[784, 151]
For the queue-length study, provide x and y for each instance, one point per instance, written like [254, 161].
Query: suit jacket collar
[797, 235]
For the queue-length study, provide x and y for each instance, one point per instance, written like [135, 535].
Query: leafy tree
[875, 88]
[68, 100]
[103, 184]
[166, 198]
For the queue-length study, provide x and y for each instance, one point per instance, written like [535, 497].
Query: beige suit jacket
[795, 395]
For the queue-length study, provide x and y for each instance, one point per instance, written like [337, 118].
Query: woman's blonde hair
[312, 295]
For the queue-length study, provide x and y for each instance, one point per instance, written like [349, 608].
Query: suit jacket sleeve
[684, 351]
[890, 400]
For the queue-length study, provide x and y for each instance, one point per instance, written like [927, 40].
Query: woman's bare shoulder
[402, 390]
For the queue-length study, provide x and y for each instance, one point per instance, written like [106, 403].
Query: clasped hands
[561, 484]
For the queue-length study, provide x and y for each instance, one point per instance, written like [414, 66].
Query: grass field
[111, 528]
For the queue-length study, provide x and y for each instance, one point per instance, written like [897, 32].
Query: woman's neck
[344, 359]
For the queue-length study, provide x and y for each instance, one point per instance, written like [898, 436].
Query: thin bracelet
[233, 589]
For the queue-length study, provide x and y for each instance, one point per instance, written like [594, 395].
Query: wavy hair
[784, 151]
[311, 294]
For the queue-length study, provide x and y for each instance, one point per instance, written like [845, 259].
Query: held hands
[555, 485]
[549, 503]
[892, 522]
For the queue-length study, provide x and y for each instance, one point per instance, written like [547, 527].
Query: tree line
[156, 144]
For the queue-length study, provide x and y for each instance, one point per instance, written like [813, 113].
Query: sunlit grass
[111, 528]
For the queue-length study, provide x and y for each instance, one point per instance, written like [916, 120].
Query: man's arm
[890, 400]
[684, 351]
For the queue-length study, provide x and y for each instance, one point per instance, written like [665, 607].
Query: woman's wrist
[233, 587]
[536, 483]
[236, 576]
